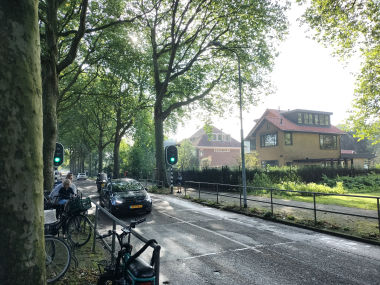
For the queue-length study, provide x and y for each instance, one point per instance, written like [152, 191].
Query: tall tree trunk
[116, 147]
[100, 160]
[159, 143]
[50, 93]
[22, 258]
[116, 156]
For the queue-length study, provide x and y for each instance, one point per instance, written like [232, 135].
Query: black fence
[236, 192]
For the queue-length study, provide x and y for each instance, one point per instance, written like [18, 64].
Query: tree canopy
[353, 27]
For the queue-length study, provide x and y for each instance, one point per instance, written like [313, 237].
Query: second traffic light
[58, 154]
[171, 154]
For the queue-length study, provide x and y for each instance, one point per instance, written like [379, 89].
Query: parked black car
[125, 195]
[101, 181]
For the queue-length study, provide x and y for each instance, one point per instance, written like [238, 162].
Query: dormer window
[313, 119]
[220, 137]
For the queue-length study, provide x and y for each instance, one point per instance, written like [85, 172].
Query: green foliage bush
[365, 183]
[311, 187]
[353, 180]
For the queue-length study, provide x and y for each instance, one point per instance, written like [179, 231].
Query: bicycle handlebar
[126, 230]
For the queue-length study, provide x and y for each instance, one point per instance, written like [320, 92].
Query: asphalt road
[202, 245]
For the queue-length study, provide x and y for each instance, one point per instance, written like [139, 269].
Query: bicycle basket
[52, 229]
[78, 205]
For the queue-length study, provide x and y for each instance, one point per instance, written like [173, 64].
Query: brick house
[296, 137]
[216, 149]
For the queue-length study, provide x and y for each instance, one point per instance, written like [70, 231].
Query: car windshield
[125, 186]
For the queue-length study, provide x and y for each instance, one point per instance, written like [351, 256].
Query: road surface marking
[213, 232]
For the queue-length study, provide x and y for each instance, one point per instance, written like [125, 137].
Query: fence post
[271, 200]
[113, 243]
[199, 190]
[185, 186]
[217, 193]
[95, 226]
[378, 213]
[315, 210]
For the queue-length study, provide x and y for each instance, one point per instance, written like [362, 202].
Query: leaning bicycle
[128, 268]
[73, 222]
[57, 258]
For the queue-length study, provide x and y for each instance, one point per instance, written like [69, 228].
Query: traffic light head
[171, 154]
[58, 154]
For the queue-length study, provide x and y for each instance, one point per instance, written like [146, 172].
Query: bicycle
[73, 222]
[128, 269]
[57, 258]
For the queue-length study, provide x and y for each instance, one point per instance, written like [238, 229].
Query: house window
[305, 119]
[324, 120]
[220, 137]
[268, 140]
[221, 150]
[253, 144]
[299, 118]
[328, 141]
[288, 138]
[316, 121]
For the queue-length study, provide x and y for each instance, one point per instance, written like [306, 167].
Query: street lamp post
[243, 174]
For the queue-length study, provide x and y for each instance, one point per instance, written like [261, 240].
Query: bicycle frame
[128, 268]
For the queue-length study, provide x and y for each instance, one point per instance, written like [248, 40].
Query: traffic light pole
[55, 176]
[171, 179]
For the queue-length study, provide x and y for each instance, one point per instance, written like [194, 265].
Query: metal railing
[159, 183]
[238, 189]
[112, 249]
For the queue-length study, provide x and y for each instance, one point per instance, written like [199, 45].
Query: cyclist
[65, 192]
[54, 194]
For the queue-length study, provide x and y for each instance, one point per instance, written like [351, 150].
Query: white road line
[216, 253]
[213, 232]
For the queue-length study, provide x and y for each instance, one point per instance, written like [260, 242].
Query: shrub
[311, 187]
[365, 183]
[260, 180]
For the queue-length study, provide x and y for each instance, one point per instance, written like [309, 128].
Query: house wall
[305, 146]
[218, 157]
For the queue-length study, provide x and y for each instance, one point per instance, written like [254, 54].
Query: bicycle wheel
[79, 230]
[57, 258]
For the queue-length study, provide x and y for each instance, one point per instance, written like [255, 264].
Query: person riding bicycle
[53, 196]
[65, 192]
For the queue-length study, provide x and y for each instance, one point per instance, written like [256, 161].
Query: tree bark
[50, 93]
[116, 157]
[22, 258]
[100, 151]
[159, 143]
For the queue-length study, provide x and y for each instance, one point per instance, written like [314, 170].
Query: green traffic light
[57, 159]
[172, 159]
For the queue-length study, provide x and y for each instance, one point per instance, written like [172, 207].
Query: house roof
[200, 138]
[277, 118]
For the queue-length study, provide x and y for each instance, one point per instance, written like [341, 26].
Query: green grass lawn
[345, 201]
